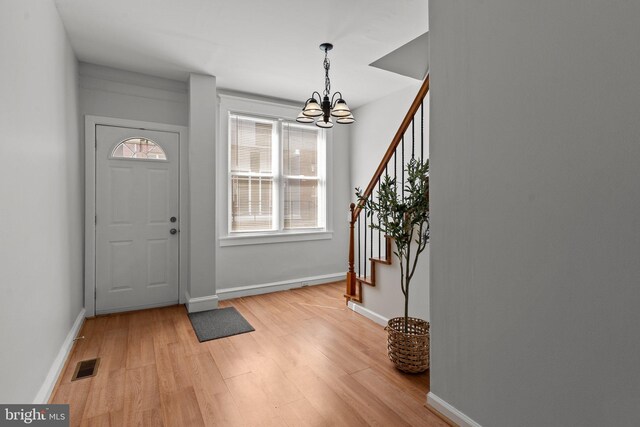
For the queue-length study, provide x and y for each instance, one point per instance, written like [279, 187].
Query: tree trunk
[407, 280]
[406, 310]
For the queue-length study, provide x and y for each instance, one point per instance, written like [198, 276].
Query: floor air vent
[86, 369]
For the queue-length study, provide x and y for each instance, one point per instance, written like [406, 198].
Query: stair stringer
[371, 279]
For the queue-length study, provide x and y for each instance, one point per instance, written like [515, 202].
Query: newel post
[351, 274]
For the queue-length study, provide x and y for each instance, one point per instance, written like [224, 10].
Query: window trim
[259, 239]
[269, 110]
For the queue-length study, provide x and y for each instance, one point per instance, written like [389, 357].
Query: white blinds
[275, 183]
[251, 145]
[300, 168]
[251, 166]
[252, 203]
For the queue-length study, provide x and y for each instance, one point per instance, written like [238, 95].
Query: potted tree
[404, 217]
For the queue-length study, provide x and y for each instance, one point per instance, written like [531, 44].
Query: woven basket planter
[408, 351]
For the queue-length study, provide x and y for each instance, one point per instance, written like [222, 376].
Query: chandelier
[325, 106]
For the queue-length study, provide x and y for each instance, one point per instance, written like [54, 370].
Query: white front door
[137, 222]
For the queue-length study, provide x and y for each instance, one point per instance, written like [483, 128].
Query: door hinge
[95, 219]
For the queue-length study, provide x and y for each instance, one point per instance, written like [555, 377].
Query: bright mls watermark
[34, 415]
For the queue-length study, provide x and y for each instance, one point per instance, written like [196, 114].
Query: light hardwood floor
[310, 362]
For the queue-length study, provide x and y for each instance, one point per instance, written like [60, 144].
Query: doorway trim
[90, 123]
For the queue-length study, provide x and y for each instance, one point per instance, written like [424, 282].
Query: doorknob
[173, 219]
[173, 231]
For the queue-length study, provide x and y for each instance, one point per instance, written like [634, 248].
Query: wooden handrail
[394, 144]
[354, 285]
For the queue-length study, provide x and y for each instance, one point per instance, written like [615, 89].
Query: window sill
[261, 239]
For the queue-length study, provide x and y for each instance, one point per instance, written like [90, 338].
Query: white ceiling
[263, 47]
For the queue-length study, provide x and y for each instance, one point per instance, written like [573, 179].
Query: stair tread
[381, 260]
[354, 298]
[365, 279]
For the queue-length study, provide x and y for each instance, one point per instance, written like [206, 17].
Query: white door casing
[137, 257]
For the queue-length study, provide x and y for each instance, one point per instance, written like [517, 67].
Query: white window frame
[275, 172]
[280, 113]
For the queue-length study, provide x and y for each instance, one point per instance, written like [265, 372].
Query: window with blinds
[300, 173]
[276, 173]
[252, 173]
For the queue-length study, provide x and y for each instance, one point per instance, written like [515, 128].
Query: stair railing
[355, 280]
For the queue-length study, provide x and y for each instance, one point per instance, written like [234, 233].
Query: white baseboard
[210, 302]
[58, 363]
[450, 412]
[380, 320]
[265, 288]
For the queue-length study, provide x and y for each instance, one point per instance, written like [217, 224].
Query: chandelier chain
[327, 82]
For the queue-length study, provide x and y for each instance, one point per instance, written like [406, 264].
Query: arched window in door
[138, 148]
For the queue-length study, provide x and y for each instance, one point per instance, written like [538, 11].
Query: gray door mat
[219, 323]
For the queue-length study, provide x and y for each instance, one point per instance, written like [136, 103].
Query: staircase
[368, 248]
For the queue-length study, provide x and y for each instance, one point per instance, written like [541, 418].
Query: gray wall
[202, 207]
[111, 92]
[377, 123]
[247, 265]
[41, 202]
[535, 147]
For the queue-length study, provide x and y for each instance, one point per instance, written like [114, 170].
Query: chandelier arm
[312, 98]
[334, 100]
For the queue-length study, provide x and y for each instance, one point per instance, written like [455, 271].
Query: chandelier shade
[304, 119]
[312, 108]
[325, 125]
[324, 106]
[346, 120]
[341, 109]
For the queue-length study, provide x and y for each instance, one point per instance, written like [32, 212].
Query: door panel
[158, 210]
[122, 267]
[158, 251]
[121, 195]
[136, 195]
